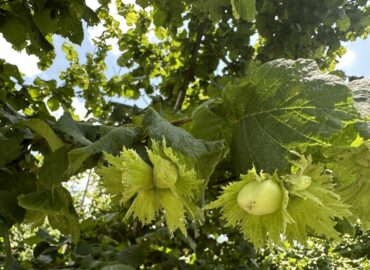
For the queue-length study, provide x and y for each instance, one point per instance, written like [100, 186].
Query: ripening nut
[165, 173]
[260, 197]
[168, 185]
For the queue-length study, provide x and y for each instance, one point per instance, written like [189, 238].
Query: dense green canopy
[241, 91]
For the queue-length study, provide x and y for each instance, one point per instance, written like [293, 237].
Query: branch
[189, 74]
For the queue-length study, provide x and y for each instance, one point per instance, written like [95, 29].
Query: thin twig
[85, 191]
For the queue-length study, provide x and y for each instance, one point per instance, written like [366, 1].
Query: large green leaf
[281, 105]
[45, 131]
[73, 129]
[211, 122]
[361, 98]
[361, 95]
[10, 212]
[112, 142]
[176, 137]
[350, 165]
[13, 184]
[204, 155]
[57, 204]
[53, 170]
[14, 31]
[9, 148]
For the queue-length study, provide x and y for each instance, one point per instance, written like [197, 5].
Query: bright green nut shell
[260, 198]
[165, 173]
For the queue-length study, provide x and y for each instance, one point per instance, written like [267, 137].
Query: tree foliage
[224, 113]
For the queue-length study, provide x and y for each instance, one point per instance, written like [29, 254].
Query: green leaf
[67, 224]
[357, 195]
[210, 122]
[361, 95]
[46, 200]
[53, 170]
[53, 104]
[10, 212]
[73, 129]
[70, 52]
[45, 21]
[215, 8]
[13, 184]
[58, 205]
[159, 17]
[197, 149]
[45, 131]
[176, 137]
[361, 99]
[350, 165]
[71, 28]
[343, 24]
[9, 148]
[14, 31]
[245, 9]
[281, 105]
[112, 142]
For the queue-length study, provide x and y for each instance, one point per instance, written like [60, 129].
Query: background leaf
[245, 9]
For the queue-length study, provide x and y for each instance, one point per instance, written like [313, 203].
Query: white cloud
[79, 106]
[58, 113]
[93, 4]
[95, 31]
[347, 60]
[27, 64]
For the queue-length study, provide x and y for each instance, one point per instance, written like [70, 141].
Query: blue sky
[355, 62]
